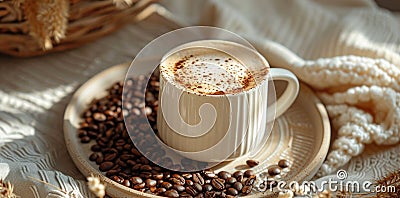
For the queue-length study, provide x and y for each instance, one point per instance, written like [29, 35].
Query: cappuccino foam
[209, 71]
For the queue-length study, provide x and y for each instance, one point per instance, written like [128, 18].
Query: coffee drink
[213, 99]
[209, 71]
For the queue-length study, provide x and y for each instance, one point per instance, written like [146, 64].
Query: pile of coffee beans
[121, 161]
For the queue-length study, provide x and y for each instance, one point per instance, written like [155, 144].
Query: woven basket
[85, 21]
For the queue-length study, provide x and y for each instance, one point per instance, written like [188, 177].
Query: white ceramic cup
[214, 128]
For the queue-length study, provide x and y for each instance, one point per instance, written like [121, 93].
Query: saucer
[301, 135]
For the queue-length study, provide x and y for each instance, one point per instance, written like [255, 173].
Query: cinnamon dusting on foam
[210, 72]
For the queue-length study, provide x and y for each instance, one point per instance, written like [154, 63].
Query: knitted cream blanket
[358, 81]
[362, 96]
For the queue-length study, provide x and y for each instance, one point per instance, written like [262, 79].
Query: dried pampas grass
[122, 4]
[48, 19]
[96, 187]
[6, 190]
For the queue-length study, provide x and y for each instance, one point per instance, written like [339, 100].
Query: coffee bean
[241, 178]
[224, 175]
[82, 133]
[146, 168]
[160, 191]
[92, 134]
[231, 180]
[249, 173]
[198, 178]
[120, 143]
[117, 179]
[139, 186]
[274, 171]
[127, 147]
[136, 167]
[122, 163]
[144, 160]
[171, 193]
[209, 174]
[126, 157]
[232, 191]
[95, 148]
[135, 152]
[238, 186]
[198, 187]
[158, 176]
[189, 182]
[187, 176]
[150, 183]
[191, 190]
[145, 175]
[110, 157]
[218, 184]
[200, 195]
[101, 143]
[250, 181]
[166, 185]
[252, 163]
[185, 195]
[177, 179]
[237, 174]
[179, 188]
[105, 166]
[247, 190]
[127, 183]
[85, 139]
[99, 117]
[93, 157]
[125, 176]
[283, 163]
[210, 194]
[111, 172]
[110, 150]
[207, 187]
[136, 180]
[157, 168]
[152, 189]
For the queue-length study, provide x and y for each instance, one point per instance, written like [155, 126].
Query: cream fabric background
[34, 91]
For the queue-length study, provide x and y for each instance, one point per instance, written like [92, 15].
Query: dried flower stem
[47, 19]
[47, 183]
[95, 186]
[6, 190]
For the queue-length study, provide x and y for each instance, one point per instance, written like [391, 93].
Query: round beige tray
[301, 135]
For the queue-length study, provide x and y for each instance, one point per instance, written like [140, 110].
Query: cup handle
[290, 94]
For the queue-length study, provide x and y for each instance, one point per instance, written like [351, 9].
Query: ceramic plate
[301, 135]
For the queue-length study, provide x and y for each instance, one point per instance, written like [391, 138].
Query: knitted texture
[362, 96]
